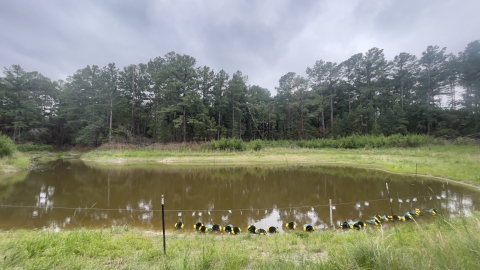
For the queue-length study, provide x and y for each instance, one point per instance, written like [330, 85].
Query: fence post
[163, 225]
[331, 218]
[390, 199]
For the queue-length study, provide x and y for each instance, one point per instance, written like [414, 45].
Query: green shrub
[229, 144]
[7, 147]
[256, 145]
[354, 141]
[463, 141]
[32, 147]
[357, 141]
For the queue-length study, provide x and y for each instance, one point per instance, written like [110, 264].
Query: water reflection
[75, 195]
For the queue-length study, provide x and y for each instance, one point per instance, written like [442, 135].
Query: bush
[32, 147]
[357, 141]
[256, 145]
[229, 144]
[463, 141]
[354, 141]
[7, 147]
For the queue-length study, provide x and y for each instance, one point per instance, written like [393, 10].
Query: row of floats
[375, 221]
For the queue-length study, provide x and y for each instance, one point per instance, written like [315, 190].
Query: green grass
[15, 163]
[21, 161]
[33, 147]
[444, 244]
[458, 162]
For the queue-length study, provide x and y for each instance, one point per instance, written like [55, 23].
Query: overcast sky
[264, 39]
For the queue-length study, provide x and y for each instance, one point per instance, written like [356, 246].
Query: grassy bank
[444, 244]
[459, 162]
[22, 161]
[17, 162]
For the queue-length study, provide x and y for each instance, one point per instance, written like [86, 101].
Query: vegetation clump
[7, 147]
[256, 145]
[229, 144]
[370, 141]
[33, 147]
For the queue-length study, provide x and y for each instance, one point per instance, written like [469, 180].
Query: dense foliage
[6, 146]
[32, 147]
[171, 99]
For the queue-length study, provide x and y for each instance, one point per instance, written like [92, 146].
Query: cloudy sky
[264, 39]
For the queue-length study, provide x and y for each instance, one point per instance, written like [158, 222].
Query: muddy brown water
[69, 194]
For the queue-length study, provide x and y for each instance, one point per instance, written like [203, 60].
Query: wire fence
[357, 203]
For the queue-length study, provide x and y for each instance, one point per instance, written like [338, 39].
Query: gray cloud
[263, 39]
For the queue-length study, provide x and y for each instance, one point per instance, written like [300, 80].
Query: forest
[172, 99]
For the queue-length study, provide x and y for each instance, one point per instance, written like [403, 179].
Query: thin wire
[199, 210]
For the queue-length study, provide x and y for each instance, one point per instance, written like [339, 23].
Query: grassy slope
[443, 244]
[20, 161]
[459, 162]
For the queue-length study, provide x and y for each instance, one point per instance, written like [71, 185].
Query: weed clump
[256, 145]
[229, 144]
[33, 147]
[7, 147]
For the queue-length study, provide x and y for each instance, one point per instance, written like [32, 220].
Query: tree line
[172, 99]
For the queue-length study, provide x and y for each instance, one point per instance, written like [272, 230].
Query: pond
[70, 194]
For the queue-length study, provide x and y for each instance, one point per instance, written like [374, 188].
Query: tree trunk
[174, 130]
[110, 130]
[240, 127]
[184, 126]
[219, 126]
[233, 120]
[428, 103]
[349, 103]
[331, 106]
[452, 87]
[268, 124]
[289, 121]
[63, 134]
[133, 103]
[401, 92]
[156, 119]
[323, 124]
[301, 118]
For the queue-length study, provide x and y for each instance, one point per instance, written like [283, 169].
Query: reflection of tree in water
[250, 193]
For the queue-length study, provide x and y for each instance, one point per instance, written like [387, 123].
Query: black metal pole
[390, 199]
[163, 225]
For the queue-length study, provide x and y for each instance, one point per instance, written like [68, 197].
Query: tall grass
[33, 147]
[350, 142]
[357, 141]
[444, 244]
[16, 162]
[228, 144]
